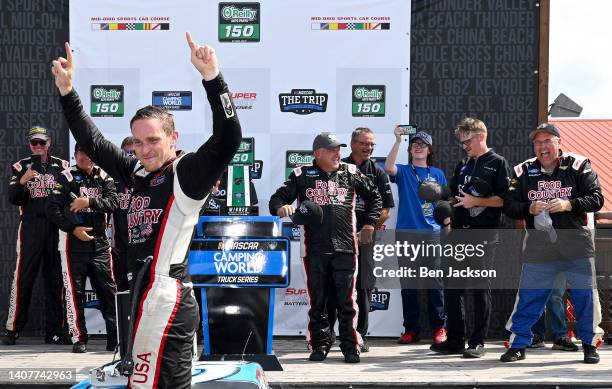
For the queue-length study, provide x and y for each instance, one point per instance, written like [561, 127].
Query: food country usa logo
[303, 101]
[239, 22]
[344, 23]
[368, 100]
[172, 100]
[107, 100]
[130, 23]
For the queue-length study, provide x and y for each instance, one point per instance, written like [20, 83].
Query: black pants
[455, 311]
[76, 267]
[454, 301]
[341, 270]
[37, 245]
[120, 269]
[365, 285]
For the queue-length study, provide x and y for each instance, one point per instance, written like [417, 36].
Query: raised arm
[390, 167]
[105, 154]
[199, 171]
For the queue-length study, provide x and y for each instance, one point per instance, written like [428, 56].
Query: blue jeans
[411, 307]
[412, 310]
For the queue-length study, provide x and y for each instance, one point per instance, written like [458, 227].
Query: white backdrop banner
[295, 69]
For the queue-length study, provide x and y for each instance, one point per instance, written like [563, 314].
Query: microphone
[443, 210]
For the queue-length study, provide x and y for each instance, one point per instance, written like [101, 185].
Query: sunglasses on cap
[38, 142]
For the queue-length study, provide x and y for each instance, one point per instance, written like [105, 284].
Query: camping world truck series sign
[239, 262]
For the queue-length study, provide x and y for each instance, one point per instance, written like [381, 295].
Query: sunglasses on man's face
[38, 142]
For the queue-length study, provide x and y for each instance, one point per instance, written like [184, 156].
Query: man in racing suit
[553, 192]
[36, 240]
[81, 201]
[169, 188]
[331, 248]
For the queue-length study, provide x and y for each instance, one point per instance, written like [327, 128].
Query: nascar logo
[173, 100]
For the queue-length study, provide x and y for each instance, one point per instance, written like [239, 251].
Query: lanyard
[417, 176]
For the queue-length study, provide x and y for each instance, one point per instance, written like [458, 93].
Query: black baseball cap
[38, 133]
[547, 128]
[309, 213]
[326, 140]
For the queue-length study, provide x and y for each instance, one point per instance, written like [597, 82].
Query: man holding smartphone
[32, 180]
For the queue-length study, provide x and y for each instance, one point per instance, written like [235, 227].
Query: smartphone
[36, 163]
[409, 129]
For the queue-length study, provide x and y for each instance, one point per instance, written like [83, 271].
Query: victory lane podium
[238, 261]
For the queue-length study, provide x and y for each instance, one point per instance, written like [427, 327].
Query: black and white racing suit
[36, 246]
[82, 259]
[331, 248]
[163, 212]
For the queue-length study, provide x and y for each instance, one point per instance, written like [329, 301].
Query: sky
[580, 55]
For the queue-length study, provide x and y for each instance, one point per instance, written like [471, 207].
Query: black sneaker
[477, 351]
[9, 338]
[564, 344]
[513, 355]
[57, 339]
[448, 347]
[79, 347]
[537, 342]
[351, 356]
[590, 354]
[318, 354]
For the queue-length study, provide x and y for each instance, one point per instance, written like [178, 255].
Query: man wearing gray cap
[553, 192]
[31, 183]
[330, 247]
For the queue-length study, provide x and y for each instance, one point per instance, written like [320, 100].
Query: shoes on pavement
[513, 355]
[79, 347]
[477, 351]
[448, 347]
[408, 337]
[564, 344]
[439, 335]
[590, 354]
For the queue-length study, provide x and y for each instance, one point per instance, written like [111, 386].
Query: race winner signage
[107, 100]
[239, 262]
[239, 22]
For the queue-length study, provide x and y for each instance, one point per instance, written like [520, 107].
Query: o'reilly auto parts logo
[107, 100]
[239, 22]
[303, 101]
[297, 158]
[368, 100]
[173, 100]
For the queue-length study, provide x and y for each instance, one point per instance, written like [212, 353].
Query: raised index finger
[190, 41]
[68, 52]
